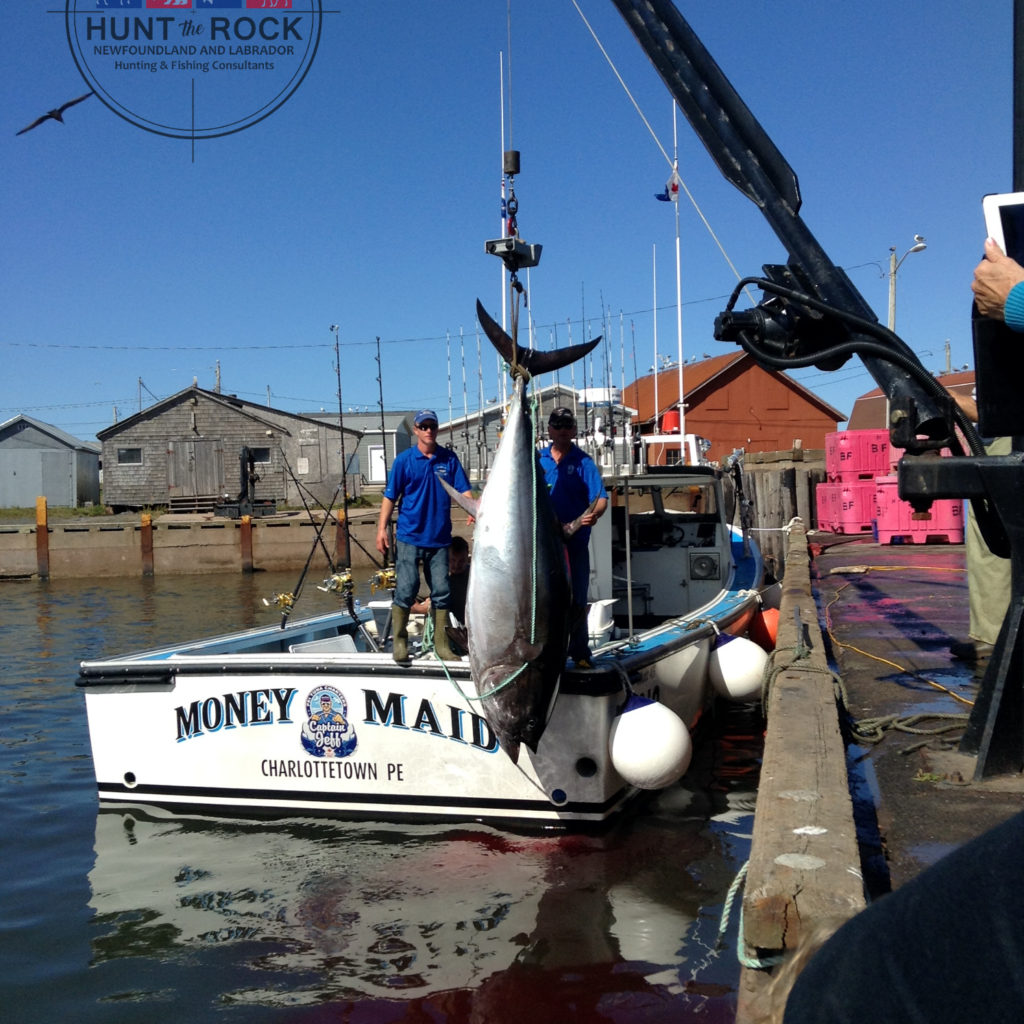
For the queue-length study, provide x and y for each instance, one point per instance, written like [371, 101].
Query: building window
[129, 456]
[673, 457]
[260, 454]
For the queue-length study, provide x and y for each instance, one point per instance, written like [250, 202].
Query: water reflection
[322, 911]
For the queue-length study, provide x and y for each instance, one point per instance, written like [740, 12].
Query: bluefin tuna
[519, 596]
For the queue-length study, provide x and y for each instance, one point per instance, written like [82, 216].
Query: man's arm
[387, 506]
[994, 278]
[589, 518]
[968, 405]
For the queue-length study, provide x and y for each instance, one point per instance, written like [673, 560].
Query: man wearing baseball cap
[424, 530]
[574, 482]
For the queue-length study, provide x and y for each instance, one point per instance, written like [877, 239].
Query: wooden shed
[184, 452]
[733, 403]
[38, 460]
[383, 436]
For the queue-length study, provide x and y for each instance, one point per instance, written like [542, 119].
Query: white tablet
[1004, 222]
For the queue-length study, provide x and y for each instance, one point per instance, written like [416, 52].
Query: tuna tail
[527, 361]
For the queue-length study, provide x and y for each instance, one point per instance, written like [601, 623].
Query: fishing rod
[465, 400]
[330, 513]
[287, 601]
[383, 433]
[344, 461]
[337, 582]
[341, 583]
[302, 491]
[481, 428]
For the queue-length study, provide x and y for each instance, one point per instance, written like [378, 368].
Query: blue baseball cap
[424, 415]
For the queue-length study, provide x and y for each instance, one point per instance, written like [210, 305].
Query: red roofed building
[733, 403]
[869, 410]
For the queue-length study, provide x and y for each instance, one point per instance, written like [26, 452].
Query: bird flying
[56, 114]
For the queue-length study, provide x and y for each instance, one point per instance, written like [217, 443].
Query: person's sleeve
[1013, 311]
[595, 485]
[461, 483]
[391, 486]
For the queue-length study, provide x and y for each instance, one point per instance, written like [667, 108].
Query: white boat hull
[295, 721]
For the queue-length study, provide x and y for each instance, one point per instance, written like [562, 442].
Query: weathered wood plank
[804, 863]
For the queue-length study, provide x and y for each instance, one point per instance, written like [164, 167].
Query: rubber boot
[441, 646]
[399, 633]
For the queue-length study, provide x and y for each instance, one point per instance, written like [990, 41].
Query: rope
[533, 565]
[873, 730]
[757, 963]
[657, 142]
[860, 570]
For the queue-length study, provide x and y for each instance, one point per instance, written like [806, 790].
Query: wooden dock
[804, 866]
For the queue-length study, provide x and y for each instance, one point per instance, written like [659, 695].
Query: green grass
[28, 515]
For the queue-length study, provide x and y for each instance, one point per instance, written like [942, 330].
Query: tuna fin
[570, 528]
[533, 362]
[469, 504]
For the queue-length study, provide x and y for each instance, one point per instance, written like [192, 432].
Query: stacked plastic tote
[860, 494]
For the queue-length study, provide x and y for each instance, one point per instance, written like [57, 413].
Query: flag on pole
[671, 193]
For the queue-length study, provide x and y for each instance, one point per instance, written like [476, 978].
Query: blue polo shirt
[425, 515]
[573, 482]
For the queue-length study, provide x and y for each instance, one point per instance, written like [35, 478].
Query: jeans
[578, 549]
[407, 574]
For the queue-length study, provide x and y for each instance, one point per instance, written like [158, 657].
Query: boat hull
[300, 720]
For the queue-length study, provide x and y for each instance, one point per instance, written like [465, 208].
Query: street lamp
[894, 265]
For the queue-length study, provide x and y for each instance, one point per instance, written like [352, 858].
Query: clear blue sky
[365, 200]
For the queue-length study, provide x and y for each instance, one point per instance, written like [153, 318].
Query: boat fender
[650, 745]
[764, 629]
[736, 667]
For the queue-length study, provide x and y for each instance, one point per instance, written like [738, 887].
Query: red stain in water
[594, 994]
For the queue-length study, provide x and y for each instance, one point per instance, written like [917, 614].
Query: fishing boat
[314, 717]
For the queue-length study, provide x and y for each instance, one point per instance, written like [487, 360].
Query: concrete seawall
[180, 544]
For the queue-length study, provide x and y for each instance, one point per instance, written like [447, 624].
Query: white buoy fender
[736, 667]
[650, 745]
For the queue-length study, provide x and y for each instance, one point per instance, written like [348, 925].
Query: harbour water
[111, 916]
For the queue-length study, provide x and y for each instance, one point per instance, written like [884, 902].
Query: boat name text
[272, 705]
[246, 707]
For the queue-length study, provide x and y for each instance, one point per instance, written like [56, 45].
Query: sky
[133, 263]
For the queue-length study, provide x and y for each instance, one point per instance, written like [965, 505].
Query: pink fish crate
[894, 522]
[826, 503]
[856, 506]
[857, 455]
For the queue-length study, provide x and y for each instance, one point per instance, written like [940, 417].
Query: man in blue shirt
[575, 484]
[424, 530]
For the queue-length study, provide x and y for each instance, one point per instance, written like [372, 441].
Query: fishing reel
[383, 579]
[282, 602]
[338, 583]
